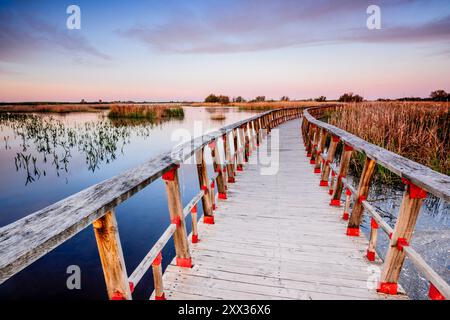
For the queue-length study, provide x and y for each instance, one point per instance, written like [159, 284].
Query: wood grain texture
[294, 250]
[111, 256]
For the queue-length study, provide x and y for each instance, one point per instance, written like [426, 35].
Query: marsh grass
[263, 106]
[52, 108]
[419, 131]
[150, 112]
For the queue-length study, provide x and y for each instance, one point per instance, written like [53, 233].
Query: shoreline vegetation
[152, 113]
[416, 128]
[419, 131]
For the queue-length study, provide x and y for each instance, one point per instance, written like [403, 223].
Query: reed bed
[419, 131]
[262, 106]
[151, 112]
[52, 108]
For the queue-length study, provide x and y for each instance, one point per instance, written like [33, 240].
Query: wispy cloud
[23, 36]
[249, 25]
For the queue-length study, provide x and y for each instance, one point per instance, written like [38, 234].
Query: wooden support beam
[330, 157]
[315, 146]
[246, 144]
[230, 165]
[320, 148]
[183, 256]
[361, 194]
[413, 198]
[158, 278]
[371, 250]
[343, 168]
[219, 170]
[194, 220]
[203, 181]
[111, 256]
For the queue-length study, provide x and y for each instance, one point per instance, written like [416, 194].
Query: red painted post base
[308, 154]
[240, 167]
[434, 293]
[222, 196]
[345, 216]
[214, 207]
[316, 170]
[161, 298]
[353, 232]
[388, 288]
[231, 180]
[117, 296]
[184, 262]
[208, 219]
[323, 183]
[312, 161]
[195, 238]
[370, 255]
[330, 192]
[335, 202]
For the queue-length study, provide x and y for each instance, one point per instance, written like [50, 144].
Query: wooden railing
[419, 180]
[28, 239]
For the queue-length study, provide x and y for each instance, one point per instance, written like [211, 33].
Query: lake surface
[46, 158]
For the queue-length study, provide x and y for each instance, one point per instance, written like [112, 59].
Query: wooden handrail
[26, 240]
[419, 180]
[434, 182]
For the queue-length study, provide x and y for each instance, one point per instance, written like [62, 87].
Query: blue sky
[183, 50]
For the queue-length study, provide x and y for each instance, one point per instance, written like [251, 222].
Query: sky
[178, 50]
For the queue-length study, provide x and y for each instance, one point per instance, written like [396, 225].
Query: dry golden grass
[153, 112]
[53, 108]
[267, 105]
[419, 131]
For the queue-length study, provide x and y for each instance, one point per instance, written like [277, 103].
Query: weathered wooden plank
[111, 257]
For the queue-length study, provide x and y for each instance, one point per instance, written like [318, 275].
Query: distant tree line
[437, 95]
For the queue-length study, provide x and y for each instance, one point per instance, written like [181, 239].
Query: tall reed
[419, 131]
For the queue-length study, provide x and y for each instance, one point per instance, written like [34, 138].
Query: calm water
[45, 158]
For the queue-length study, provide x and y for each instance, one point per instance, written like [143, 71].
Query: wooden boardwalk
[276, 237]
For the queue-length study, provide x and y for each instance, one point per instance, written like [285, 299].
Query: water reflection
[46, 143]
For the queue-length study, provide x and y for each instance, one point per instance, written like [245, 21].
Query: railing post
[219, 170]
[183, 256]
[230, 165]
[330, 156]
[203, 180]
[257, 132]
[363, 191]
[157, 278]
[310, 137]
[343, 168]
[413, 198]
[372, 240]
[195, 223]
[314, 150]
[239, 149]
[247, 144]
[111, 257]
[320, 148]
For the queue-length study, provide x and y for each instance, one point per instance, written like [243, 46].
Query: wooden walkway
[276, 237]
